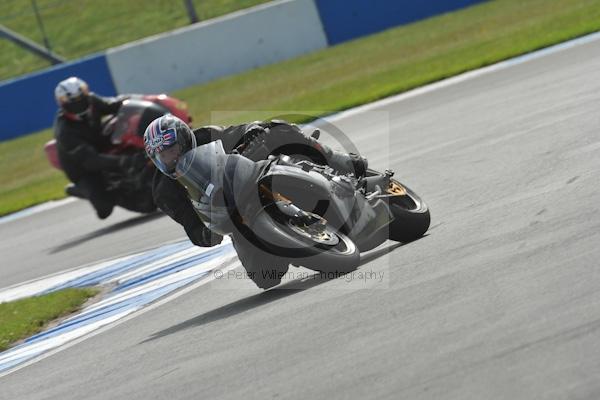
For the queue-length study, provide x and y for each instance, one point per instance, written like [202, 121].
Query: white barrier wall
[223, 46]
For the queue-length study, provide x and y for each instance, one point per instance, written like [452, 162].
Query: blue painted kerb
[27, 103]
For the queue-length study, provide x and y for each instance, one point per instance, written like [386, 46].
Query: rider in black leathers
[172, 198]
[77, 130]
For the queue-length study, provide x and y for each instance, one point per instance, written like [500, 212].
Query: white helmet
[72, 95]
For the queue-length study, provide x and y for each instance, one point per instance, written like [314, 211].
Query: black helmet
[166, 139]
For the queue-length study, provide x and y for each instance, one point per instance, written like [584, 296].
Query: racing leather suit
[172, 198]
[79, 145]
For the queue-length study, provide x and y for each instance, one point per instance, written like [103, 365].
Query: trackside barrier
[27, 104]
[223, 46]
[349, 19]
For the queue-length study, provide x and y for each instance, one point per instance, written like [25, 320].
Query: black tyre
[317, 246]
[411, 214]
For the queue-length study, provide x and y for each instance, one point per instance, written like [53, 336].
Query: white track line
[227, 266]
[189, 266]
[39, 285]
[36, 209]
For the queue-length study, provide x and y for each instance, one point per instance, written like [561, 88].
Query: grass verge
[354, 73]
[79, 27]
[23, 318]
[28, 179]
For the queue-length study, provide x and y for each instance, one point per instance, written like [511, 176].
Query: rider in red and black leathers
[171, 197]
[77, 130]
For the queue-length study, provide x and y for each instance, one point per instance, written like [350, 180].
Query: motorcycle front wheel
[317, 246]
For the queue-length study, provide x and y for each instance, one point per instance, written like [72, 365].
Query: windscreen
[133, 118]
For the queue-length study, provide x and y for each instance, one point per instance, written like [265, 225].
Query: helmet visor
[167, 159]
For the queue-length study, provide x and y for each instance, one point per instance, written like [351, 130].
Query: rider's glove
[252, 131]
[201, 236]
[140, 160]
[134, 162]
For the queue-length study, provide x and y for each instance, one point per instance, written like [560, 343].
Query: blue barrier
[348, 19]
[27, 103]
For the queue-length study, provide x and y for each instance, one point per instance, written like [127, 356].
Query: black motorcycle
[304, 213]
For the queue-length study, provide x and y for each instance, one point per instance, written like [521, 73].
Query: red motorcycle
[132, 190]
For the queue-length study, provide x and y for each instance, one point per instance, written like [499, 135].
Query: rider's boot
[90, 188]
[348, 163]
[73, 190]
[103, 209]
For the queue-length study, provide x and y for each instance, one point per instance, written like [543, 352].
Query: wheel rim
[317, 232]
[403, 197]
[396, 189]
[324, 237]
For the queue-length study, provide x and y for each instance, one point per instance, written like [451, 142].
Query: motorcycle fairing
[219, 184]
[345, 209]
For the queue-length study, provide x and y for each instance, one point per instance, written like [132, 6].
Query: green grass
[22, 318]
[28, 177]
[367, 69]
[79, 27]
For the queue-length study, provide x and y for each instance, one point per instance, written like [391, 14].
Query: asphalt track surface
[499, 301]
